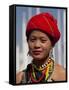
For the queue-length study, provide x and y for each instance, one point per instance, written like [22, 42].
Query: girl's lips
[37, 52]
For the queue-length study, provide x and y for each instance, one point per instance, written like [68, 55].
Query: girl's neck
[39, 63]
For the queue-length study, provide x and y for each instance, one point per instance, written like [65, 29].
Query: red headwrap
[44, 22]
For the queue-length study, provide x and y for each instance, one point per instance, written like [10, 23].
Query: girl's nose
[37, 44]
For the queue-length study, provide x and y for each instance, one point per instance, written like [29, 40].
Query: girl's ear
[28, 53]
[51, 53]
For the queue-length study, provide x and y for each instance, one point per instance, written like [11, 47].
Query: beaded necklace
[43, 72]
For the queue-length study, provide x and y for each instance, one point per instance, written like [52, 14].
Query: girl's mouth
[37, 52]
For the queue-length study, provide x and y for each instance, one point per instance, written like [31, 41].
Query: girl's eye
[43, 41]
[32, 40]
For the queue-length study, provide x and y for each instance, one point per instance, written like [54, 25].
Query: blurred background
[23, 14]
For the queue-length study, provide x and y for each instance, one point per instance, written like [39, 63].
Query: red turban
[44, 22]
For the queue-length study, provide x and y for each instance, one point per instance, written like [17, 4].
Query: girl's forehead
[38, 34]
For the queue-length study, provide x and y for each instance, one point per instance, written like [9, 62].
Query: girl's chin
[39, 57]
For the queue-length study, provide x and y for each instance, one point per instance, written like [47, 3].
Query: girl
[42, 34]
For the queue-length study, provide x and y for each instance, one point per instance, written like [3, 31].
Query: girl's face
[39, 45]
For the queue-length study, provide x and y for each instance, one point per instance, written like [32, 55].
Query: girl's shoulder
[59, 73]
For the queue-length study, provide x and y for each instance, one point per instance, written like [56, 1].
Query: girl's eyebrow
[41, 37]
